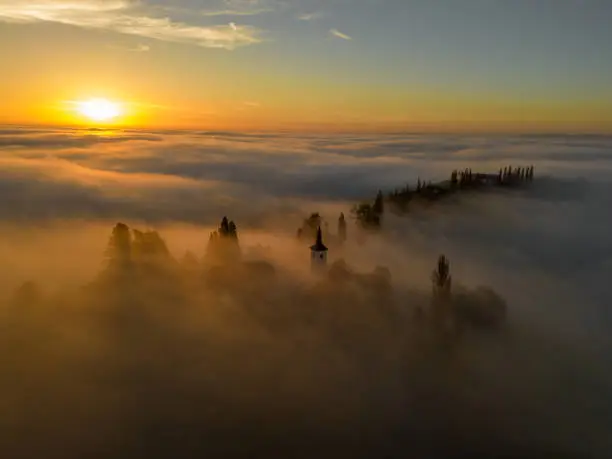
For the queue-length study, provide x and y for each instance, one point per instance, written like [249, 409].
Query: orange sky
[258, 68]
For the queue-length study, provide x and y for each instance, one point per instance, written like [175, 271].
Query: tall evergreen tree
[342, 228]
[441, 279]
[224, 227]
[365, 216]
[119, 250]
[232, 230]
[223, 244]
[311, 224]
[379, 206]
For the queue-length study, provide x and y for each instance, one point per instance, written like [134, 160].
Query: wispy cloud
[245, 8]
[142, 48]
[309, 16]
[235, 12]
[128, 18]
[338, 34]
[139, 48]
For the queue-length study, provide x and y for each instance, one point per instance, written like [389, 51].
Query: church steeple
[319, 246]
[318, 252]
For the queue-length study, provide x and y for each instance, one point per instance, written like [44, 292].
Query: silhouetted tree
[223, 244]
[232, 231]
[443, 314]
[454, 180]
[441, 279]
[148, 244]
[379, 206]
[119, 249]
[310, 226]
[342, 228]
[224, 227]
[365, 216]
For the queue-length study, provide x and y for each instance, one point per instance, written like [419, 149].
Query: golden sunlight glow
[99, 109]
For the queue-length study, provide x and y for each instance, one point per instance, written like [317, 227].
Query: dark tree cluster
[514, 176]
[131, 248]
[466, 178]
[141, 272]
[342, 228]
[369, 215]
[310, 226]
[460, 180]
[424, 190]
[451, 312]
[223, 244]
[131, 252]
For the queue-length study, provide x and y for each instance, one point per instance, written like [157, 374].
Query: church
[318, 253]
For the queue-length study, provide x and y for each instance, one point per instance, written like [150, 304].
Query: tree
[150, 252]
[119, 250]
[342, 228]
[223, 244]
[379, 206]
[224, 227]
[232, 230]
[310, 226]
[366, 217]
[453, 179]
[441, 279]
[443, 314]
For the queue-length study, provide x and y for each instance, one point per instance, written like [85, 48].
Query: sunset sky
[516, 65]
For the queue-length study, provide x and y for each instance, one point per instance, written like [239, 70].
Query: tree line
[369, 215]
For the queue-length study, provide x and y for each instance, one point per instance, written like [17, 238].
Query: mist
[265, 358]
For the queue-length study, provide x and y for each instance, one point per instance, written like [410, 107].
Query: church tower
[318, 253]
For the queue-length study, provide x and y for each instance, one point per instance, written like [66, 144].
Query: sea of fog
[127, 373]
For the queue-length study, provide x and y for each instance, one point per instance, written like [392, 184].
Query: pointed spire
[319, 246]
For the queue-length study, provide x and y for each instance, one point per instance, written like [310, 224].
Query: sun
[99, 109]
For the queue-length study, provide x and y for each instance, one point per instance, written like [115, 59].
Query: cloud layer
[131, 373]
[262, 166]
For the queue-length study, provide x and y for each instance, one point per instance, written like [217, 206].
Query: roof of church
[319, 246]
